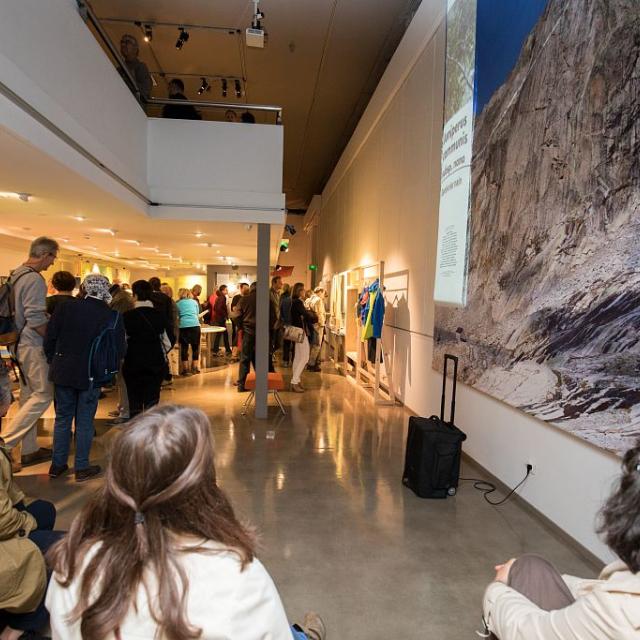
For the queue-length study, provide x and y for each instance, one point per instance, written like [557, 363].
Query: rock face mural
[552, 322]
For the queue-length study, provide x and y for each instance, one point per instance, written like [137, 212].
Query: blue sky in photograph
[502, 28]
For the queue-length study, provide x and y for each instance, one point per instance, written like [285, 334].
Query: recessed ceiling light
[79, 218]
[13, 195]
[199, 234]
[136, 242]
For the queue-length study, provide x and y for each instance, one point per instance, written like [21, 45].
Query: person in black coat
[71, 333]
[145, 363]
[164, 304]
[179, 111]
[246, 318]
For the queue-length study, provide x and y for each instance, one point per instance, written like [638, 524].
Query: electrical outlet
[531, 468]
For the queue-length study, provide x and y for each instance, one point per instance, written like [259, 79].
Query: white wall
[222, 164]
[51, 60]
[381, 203]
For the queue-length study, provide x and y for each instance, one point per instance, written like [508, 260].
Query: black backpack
[9, 333]
[104, 356]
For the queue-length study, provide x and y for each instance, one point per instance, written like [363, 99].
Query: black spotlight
[182, 38]
[224, 87]
[238, 89]
[290, 229]
[148, 33]
[205, 86]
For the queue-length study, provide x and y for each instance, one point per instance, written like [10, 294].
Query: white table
[207, 332]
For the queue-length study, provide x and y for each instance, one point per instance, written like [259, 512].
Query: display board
[457, 142]
[550, 322]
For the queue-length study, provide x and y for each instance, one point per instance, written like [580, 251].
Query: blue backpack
[104, 356]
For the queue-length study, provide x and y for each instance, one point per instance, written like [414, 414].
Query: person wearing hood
[68, 344]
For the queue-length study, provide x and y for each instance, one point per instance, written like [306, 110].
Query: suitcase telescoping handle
[452, 413]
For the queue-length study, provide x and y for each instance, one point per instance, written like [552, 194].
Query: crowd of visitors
[158, 550]
[67, 354]
[70, 346]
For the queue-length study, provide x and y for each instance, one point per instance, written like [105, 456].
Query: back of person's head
[142, 290]
[95, 285]
[243, 287]
[222, 290]
[196, 289]
[230, 115]
[275, 281]
[253, 286]
[160, 486]
[43, 246]
[176, 86]
[166, 289]
[115, 288]
[620, 516]
[63, 281]
[248, 118]
[184, 293]
[286, 290]
[155, 283]
[298, 290]
[129, 40]
[318, 291]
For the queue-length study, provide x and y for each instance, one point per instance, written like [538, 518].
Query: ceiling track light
[238, 89]
[148, 33]
[204, 86]
[224, 87]
[183, 36]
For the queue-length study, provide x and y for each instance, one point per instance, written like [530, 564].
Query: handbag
[294, 334]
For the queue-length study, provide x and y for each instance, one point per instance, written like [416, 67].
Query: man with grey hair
[316, 303]
[29, 292]
[129, 49]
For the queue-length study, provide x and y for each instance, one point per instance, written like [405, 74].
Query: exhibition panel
[549, 323]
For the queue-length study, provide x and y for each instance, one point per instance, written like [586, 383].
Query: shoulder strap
[12, 288]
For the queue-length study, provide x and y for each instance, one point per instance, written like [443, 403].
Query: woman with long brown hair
[158, 551]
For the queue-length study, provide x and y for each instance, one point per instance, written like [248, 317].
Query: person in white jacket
[158, 551]
[530, 600]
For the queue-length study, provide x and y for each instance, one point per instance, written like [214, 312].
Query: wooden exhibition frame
[346, 348]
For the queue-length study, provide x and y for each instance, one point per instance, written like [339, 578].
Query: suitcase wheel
[452, 491]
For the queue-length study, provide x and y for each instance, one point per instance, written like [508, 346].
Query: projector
[255, 37]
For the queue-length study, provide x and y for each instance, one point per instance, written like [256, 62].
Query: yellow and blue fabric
[373, 312]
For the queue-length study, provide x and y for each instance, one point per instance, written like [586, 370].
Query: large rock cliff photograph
[552, 320]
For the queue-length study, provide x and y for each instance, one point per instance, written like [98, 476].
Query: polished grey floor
[338, 531]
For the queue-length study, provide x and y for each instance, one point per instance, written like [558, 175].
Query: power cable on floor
[488, 487]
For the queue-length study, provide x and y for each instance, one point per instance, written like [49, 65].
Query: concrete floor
[338, 531]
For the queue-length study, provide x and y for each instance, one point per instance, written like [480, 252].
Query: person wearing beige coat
[23, 577]
[530, 600]
[604, 609]
[13, 522]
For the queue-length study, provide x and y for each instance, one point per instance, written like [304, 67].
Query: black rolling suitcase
[434, 448]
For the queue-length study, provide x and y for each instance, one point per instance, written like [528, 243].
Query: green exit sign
[313, 267]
